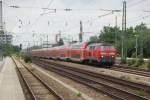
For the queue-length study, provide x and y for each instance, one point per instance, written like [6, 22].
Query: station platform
[10, 88]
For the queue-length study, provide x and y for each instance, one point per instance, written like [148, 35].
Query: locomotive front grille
[106, 59]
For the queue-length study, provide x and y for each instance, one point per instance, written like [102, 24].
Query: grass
[122, 77]
[28, 59]
[139, 63]
[79, 94]
[137, 78]
[148, 64]
[131, 62]
[125, 78]
[32, 69]
[141, 92]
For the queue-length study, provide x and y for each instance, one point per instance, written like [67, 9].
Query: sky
[35, 19]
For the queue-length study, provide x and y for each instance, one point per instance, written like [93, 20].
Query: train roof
[57, 47]
[74, 45]
[100, 44]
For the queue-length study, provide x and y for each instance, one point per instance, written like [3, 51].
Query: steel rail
[86, 79]
[109, 78]
[24, 80]
[40, 80]
[132, 71]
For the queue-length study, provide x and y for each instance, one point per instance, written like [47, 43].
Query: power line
[136, 3]
[38, 18]
[65, 9]
[146, 10]
[129, 1]
[101, 16]
[141, 18]
[70, 9]
[50, 3]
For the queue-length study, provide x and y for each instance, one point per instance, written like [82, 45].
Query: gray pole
[28, 48]
[116, 32]
[47, 41]
[81, 32]
[136, 45]
[1, 28]
[141, 46]
[122, 37]
[124, 46]
[1, 17]
[41, 42]
[125, 34]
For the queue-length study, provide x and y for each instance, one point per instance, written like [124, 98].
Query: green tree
[9, 49]
[109, 34]
[94, 39]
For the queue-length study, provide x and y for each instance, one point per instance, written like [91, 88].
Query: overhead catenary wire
[136, 19]
[101, 16]
[135, 4]
[141, 18]
[67, 9]
[37, 19]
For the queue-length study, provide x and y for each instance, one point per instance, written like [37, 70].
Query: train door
[92, 54]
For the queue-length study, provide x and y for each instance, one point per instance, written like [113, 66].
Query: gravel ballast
[85, 91]
[109, 72]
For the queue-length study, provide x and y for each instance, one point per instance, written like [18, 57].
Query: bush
[28, 59]
[141, 92]
[131, 62]
[79, 94]
[148, 64]
[133, 55]
[139, 62]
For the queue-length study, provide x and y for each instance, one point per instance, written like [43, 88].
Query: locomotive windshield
[106, 47]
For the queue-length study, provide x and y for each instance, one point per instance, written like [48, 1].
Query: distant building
[46, 44]
[1, 16]
[6, 38]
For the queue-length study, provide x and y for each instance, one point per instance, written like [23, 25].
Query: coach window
[93, 47]
[78, 46]
[73, 47]
[90, 48]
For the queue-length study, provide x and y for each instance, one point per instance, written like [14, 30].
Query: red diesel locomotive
[102, 53]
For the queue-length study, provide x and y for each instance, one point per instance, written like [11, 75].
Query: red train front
[102, 53]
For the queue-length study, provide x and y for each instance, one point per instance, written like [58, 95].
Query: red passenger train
[102, 53]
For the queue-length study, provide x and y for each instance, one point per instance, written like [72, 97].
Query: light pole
[123, 37]
[116, 32]
[41, 42]
[136, 45]
[47, 41]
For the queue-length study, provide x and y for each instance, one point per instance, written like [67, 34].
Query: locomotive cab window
[91, 47]
[76, 46]
[107, 47]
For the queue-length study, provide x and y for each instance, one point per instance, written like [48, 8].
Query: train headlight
[102, 56]
[103, 53]
[112, 53]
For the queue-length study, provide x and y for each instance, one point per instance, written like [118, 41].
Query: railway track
[141, 72]
[38, 89]
[1, 66]
[119, 89]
